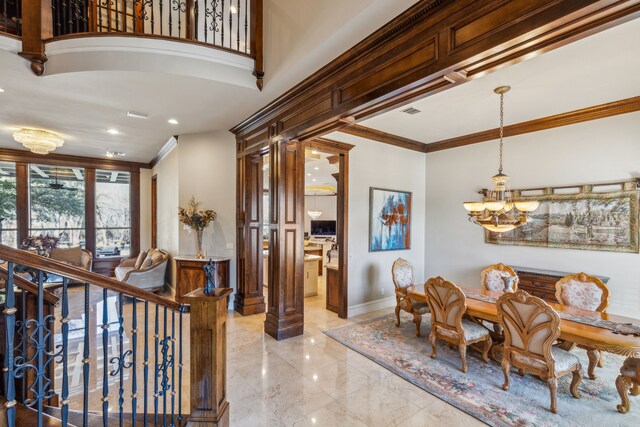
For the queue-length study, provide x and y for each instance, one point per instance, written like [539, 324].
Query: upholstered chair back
[402, 273]
[583, 291]
[493, 278]
[530, 324]
[447, 303]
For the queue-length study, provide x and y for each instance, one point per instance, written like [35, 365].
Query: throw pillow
[141, 257]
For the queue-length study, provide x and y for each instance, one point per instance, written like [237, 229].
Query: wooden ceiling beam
[387, 138]
[595, 112]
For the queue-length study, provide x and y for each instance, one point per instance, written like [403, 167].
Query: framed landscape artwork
[389, 220]
[599, 221]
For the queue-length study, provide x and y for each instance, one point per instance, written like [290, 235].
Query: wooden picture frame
[389, 219]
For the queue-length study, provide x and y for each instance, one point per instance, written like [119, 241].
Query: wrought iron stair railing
[141, 358]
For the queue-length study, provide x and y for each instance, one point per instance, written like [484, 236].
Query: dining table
[603, 331]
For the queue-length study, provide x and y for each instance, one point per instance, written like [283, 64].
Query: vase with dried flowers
[40, 244]
[196, 219]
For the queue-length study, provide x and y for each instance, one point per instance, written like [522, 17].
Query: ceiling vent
[411, 111]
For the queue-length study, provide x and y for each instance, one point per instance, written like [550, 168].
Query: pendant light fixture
[38, 141]
[499, 212]
[314, 213]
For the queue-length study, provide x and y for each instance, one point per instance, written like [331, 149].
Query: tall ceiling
[598, 69]
[81, 106]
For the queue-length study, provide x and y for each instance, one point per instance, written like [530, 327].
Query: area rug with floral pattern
[479, 392]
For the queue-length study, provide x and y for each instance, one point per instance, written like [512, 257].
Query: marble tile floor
[310, 380]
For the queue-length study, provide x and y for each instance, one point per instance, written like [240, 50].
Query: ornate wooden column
[285, 315]
[249, 298]
[208, 333]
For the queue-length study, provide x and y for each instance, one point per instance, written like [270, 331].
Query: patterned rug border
[405, 376]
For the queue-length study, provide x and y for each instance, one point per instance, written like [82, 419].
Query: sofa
[75, 256]
[146, 271]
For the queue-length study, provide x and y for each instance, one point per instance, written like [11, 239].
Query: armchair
[147, 271]
[588, 293]
[402, 275]
[448, 304]
[530, 328]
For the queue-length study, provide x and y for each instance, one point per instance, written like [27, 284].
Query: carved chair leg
[463, 355]
[506, 367]
[575, 382]
[397, 315]
[623, 384]
[635, 389]
[521, 372]
[553, 389]
[600, 359]
[432, 340]
[417, 319]
[487, 348]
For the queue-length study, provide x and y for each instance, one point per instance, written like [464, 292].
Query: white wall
[203, 166]
[600, 151]
[208, 172]
[328, 205]
[373, 164]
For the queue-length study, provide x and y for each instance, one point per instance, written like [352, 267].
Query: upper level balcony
[211, 39]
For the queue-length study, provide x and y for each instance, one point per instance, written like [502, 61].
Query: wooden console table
[542, 283]
[190, 274]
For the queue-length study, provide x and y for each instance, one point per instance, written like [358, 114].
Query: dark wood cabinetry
[333, 283]
[190, 274]
[542, 283]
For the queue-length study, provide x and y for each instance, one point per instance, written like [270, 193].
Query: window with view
[113, 213]
[8, 224]
[57, 203]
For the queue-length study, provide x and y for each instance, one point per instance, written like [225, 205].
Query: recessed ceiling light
[115, 153]
[314, 180]
[316, 168]
[135, 115]
[308, 174]
[1, 90]
[173, 121]
[112, 131]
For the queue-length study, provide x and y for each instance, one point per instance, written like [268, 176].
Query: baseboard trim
[367, 307]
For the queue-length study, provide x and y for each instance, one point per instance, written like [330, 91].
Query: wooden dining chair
[530, 328]
[493, 278]
[403, 277]
[587, 293]
[448, 304]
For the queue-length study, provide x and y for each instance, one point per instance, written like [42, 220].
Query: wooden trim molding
[417, 53]
[164, 151]
[595, 112]
[11, 155]
[387, 138]
[330, 145]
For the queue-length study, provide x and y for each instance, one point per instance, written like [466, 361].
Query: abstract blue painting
[389, 220]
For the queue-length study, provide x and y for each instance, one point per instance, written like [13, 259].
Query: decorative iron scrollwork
[215, 15]
[165, 366]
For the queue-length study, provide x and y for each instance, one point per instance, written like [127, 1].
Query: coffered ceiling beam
[595, 112]
[387, 138]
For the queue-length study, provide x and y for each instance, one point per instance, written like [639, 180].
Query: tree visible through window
[113, 213]
[57, 203]
[8, 225]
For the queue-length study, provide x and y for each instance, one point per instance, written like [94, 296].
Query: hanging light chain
[501, 129]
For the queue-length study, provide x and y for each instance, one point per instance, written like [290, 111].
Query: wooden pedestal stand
[209, 406]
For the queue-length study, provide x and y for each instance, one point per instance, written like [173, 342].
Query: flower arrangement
[197, 219]
[194, 217]
[41, 244]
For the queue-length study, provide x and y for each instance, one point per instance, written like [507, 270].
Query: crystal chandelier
[500, 212]
[314, 213]
[38, 141]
